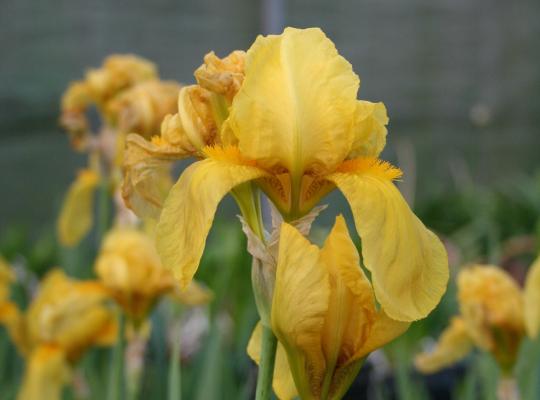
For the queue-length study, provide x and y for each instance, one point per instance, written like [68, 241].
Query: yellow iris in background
[495, 316]
[324, 315]
[130, 268]
[65, 319]
[296, 130]
[129, 97]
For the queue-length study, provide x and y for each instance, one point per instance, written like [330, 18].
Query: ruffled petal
[369, 130]
[408, 263]
[532, 300]
[453, 345]
[299, 306]
[297, 102]
[283, 382]
[189, 209]
[76, 216]
[147, 174]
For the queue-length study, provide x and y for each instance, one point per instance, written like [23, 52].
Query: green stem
[175, 376]
[266, 365]
[116, 373]
[104, 203]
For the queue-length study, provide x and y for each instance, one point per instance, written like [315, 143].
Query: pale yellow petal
[76, 216]
[47, 371]
[453, 345]
[369, 130]
[299, 306]
[408, 263]
[297, 102]
[189, 209]
[283, 382]
[532, 300]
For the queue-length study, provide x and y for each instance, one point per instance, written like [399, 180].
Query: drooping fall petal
[453, 345]
[296, 103]
[76, 216]
[283, 382]
[189, 209]
[47, 371]
[300, 303]
[408, 263]
[532, 300]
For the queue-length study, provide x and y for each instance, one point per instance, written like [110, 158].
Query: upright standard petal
[408, 263]
[300, 302]
[296, 105]
[454, 344]
[76, 217]
[189, 209]
[283, 382]
[369, 130]
[532, 300]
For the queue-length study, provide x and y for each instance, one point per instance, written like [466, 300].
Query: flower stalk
[266, 365]
[116, 373]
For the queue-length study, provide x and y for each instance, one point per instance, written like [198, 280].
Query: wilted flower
[65, 319]
[494, 316]
[295, 130]
[129, 267]
[324, 314]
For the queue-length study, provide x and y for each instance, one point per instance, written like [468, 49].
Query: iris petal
[295, 107]
[76, 216]
[189, 209]
[408, 263]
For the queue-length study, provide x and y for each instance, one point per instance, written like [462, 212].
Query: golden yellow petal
[6, 278]
[141, 108]
[299, 306]
[408, 263]
[453, 345]
[297, 102]
[147, 174]
[189, 209]
[76, 216]
[351, 310]
[480, 290]
[369, 130]
[383, 331]
[283, 382]
[119, 71]
[223, 76]
[47, 371]
[193, 295]
[532, 300]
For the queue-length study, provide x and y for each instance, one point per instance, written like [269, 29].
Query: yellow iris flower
[129, 97]
[495, 316]
[324, 315]
[65, 319]
[129, 267]
[292, 126]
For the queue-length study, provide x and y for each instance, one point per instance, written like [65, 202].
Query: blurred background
[461, 82]
[460, 79]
